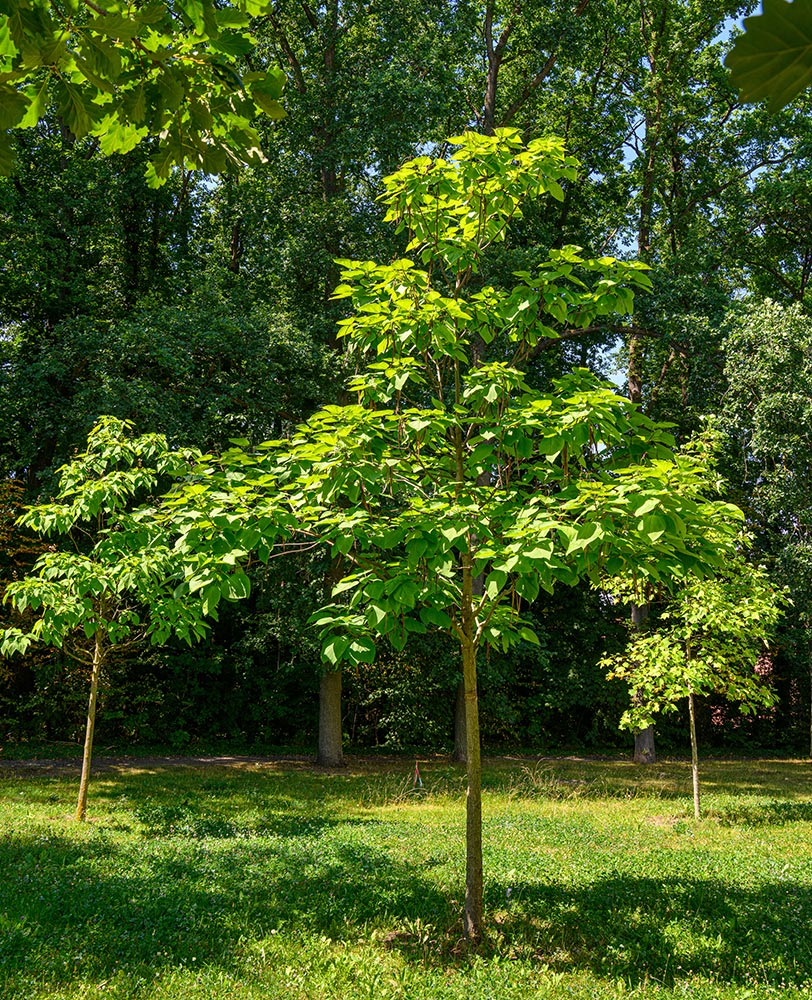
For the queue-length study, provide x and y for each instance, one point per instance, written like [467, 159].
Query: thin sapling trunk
[460, 742]
[473, 921]
[694, 755]
[98, 663]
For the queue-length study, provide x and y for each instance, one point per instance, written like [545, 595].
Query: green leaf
[268, 104]
[38, 97]
[239, 586]
[434, 616]
[13, 106]
[334, 649]
[116, 26]
[361, 650]
[120, 138]
[772, 60]
[653, 503]
[74, 107]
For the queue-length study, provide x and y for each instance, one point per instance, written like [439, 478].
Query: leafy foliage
[120, 563]
[576, 481]
[122, 73]
[706, 642]
[450, 468]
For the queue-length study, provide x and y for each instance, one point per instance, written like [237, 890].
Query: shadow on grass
[640, 928]
[199, 888]
[95, 909]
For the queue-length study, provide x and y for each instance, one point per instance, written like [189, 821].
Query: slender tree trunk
[98, 662]
[330, 753]
[460, 741]
[477, 590]
[694, 756]
[473, 921]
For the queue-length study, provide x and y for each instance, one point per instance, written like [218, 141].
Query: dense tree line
[203, 309]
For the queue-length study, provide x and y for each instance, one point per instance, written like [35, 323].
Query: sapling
[707, 641]
[113, 583]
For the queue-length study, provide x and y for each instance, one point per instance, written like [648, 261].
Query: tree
[448, 466]
[171, 72]
[115, 587]
[706, 642]
[767, 416]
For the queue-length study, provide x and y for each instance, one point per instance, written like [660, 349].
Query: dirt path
[108, 764]
[354, 764]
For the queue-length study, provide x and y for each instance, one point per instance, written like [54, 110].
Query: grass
[265, 882]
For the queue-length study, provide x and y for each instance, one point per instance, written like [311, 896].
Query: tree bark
[694, 756]
[331, 753]
[98, 662]
[460, 741]
[644, 752]
[477, 590]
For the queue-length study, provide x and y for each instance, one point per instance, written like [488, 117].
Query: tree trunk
[98, 661]
[644, 746]
[330, 753]
[694, 756]
[460, 741]
[477, 590]
[473, 921]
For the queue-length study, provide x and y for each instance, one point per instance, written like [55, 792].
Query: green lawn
[283, 882]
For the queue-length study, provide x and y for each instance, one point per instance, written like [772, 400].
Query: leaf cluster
[706, 642]
[449, 467]
[121, 72]
[117, 581]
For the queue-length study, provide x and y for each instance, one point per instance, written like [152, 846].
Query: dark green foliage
[202, 309]
[119, 75]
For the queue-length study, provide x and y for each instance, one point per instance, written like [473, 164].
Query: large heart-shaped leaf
[772, 60]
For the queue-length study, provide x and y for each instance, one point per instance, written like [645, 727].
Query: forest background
[204, 310]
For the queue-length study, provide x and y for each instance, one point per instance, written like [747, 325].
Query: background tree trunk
[330, 752]
[644, 752]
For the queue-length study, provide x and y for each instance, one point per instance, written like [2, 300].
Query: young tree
[116, 586]
[706, 642]
[448, 467]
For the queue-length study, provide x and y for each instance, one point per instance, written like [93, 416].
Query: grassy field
[278, 881]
